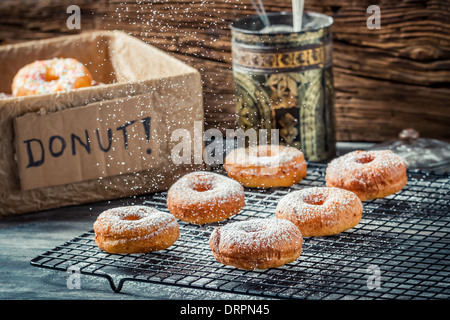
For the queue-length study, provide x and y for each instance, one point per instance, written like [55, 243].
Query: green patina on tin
[285, 81]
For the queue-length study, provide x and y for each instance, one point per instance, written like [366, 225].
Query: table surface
[23, 237]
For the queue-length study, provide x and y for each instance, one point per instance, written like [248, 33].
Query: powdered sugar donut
[50, 76]
[320, 211]
[203, 197]
[369, 174]
[135, 229]
[256, 243]
[266, 166]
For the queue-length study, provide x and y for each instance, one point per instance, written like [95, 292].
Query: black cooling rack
[400, 250]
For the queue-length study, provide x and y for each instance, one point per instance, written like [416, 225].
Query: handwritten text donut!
[94, 141]
[38, 150]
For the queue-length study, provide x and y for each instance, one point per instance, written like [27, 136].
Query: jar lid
[419, 153]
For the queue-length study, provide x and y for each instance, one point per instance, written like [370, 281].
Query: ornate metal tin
[285, 81]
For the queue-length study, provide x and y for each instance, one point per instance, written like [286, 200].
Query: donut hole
[202, 186]
[365, 158]
[249, 228]
[315, 200]
[132, 217]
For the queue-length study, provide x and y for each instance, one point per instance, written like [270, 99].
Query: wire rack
[399, 250]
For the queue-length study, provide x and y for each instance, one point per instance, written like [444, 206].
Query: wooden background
[386, 80]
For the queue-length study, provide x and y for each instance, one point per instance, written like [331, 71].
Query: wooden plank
[379, 74]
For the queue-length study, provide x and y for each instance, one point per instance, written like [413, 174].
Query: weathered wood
[387, 79]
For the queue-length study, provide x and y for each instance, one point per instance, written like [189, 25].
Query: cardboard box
[96, 143]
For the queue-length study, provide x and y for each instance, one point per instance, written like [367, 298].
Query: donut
[266, 166]
[369, 174]
[50, 76]
[320, 211]
[256, 243]
[204, 197]
[135, 229]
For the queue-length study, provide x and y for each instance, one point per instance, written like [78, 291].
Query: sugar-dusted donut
[135, 229]
[256, 243]
[266, 166]
[320, 211]
[369, 174]
[50, 76]
[204, 197]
